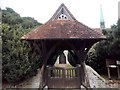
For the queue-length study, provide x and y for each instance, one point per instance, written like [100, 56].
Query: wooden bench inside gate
[58, 77]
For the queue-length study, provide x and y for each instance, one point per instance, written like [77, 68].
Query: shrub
[96, 57]
[18, 61]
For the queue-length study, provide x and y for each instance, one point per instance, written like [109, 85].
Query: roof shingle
[63, 29]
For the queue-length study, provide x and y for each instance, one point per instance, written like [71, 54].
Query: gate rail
[57, 77]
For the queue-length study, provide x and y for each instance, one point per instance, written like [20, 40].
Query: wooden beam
[46, 55]
[43, 52]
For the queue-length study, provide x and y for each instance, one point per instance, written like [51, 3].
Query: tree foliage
[18, 61]
[109, 48]
[10, 17]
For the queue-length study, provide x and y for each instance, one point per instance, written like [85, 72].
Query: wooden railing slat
[62, 77]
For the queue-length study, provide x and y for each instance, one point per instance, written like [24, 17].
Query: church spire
[102, 22]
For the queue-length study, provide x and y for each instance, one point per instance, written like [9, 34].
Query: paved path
[31, 83]
[96, 81]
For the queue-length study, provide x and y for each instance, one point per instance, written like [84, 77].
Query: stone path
[96, 81]
[31, 83]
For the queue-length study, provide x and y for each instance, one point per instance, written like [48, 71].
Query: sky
[85, 11]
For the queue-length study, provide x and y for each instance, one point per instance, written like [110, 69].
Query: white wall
[65, 52]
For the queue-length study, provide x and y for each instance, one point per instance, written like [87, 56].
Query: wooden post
[43, 52]
[109, 73]
[79, 73]
[41, 85]
[45, 56]
[82, 56]
[118, 68]
[118, 72]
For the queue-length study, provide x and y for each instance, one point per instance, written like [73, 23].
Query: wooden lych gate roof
[63, 32]
[66, 28]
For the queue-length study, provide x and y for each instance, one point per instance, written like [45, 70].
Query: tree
[12, 18]
[18, 61]
[109, 48]
[116, 39]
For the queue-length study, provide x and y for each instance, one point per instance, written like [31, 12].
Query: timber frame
[63, 32]
[47, 47]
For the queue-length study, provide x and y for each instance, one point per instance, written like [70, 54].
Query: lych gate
[63, 32]
[59, 77]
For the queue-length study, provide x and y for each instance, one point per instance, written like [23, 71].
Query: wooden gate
[63, 77]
